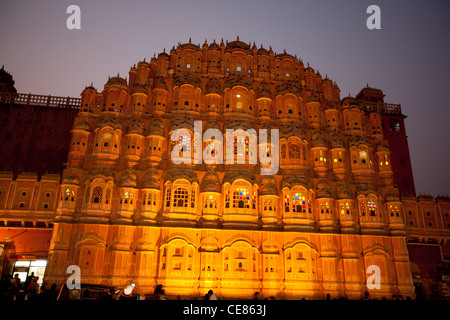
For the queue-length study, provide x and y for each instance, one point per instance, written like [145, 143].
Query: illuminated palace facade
[125, 212]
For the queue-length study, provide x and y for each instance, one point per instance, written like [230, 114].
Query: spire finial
[237, 39]
[190, 40]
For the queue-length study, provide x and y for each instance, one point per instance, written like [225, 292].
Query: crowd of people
[12, 288]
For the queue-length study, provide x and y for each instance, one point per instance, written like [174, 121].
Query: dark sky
[408, 58]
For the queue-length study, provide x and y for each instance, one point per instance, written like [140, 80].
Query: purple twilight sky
[408, 58]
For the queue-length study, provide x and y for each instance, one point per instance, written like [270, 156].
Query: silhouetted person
[28, 281]
[212, 296]
[51, 294]
[366, 296]
[33, 288]
[158, 292]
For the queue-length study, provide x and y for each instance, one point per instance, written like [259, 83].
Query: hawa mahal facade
[342, 200]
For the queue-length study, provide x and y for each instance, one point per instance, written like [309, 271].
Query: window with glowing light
[180, 197]
[69, 194]
[298, 202]
[362, 205]
[345, 208]
[168, 196]
[241, 198]
[372, 207]
[325, 207]
[241, 145]
[394, 210]
[185, 142]
[211, 202]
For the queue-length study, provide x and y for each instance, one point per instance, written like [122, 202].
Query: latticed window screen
[283, 151]
[193, 198]
[97, 195]
[298, 202]
[168, 195]
[107, 196]
[180, 197]
[294, 151]
[241, 198]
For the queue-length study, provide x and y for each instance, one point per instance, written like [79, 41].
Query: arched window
[345, 208]
[325, 207]
[168, 196]
[363, 156]
[185, 142]
[362, 206]
[107, 196]
[193, 198]
[294, 151]
[299, 202]
[286, 203]
[210, 202]
[371, 204]
[283, 151]
[241, 198]
[97, 195]
[180, 197]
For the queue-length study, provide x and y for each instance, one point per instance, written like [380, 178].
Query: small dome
[81, 125]
[136, 126]
[128, 179]
[151, 179]
[323, 189]
[90, 89]
[317, 140]
[209, 243]
[74, 180]
[293, 180]
[336, 142]
[382, 146]
[214, 46]
[237, 45]
[268, 186]
[350, 102]
[213, 86]
[342, 191]
[392, 197]
[109, 122]
[270, 245]
[120, 242]
[145, 243]
[116, 82]
[211, 183]
[156, 127]
[139, 90]
[262, 51]
[143, 64]
[312, 98]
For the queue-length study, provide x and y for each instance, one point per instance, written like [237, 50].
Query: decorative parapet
[381, 107]
[40, 100]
